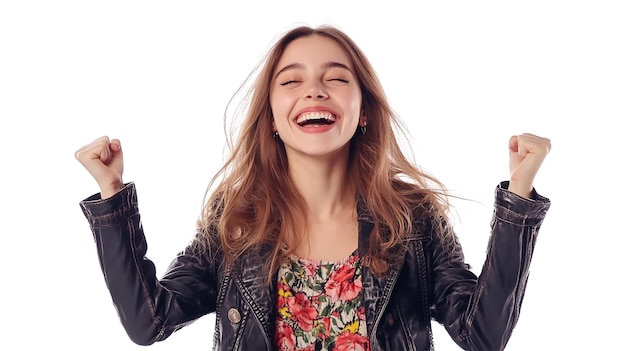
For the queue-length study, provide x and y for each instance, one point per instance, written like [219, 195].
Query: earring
[275, 135]
[364, 129]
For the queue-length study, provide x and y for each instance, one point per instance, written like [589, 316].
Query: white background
[158, 75]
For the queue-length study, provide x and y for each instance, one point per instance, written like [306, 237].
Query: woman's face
[315, 98]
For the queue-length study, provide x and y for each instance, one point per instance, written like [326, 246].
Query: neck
[324, 185]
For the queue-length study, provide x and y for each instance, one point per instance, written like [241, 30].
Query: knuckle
[79, 153]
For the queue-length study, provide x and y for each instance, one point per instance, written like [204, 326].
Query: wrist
[106, 191]
[522, 189]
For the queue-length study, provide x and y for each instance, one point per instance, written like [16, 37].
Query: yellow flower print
[352, 327]
[284, 312]
[283, 289]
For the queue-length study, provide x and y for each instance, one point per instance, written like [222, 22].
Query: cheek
[280, 111]
[282, 105]
[357, 103]
[277, 103]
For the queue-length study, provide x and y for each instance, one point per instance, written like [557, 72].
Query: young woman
[318, 233]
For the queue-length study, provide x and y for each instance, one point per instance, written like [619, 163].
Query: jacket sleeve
[480, 313]
[150, 309]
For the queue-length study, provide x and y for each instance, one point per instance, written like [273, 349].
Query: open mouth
[311, 119]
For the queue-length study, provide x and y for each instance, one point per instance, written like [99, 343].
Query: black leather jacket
[479, 313]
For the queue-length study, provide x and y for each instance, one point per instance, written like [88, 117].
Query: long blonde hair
[255, 202]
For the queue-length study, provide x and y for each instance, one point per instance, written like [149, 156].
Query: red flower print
[311, 268]
[340, 286]
[344, 273]
[347, 341]
[349, 291]
[360, 313]
[352, 260]
[285, 337]
[318, 306]
[302, 311]
[323, 328]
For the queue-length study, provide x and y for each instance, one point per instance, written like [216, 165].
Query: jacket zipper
[265, 337]
[256, 317]
[394, 278]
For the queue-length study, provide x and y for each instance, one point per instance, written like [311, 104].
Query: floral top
[320, 306]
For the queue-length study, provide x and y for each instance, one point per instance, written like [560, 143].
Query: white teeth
[315, 115]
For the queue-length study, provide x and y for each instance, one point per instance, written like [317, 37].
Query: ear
[363, 120]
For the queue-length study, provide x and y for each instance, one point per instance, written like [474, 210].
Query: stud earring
[275, 134]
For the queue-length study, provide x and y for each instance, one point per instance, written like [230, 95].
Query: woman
[319, 234]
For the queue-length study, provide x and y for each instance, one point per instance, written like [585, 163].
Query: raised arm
[150, 309]
[480, 313]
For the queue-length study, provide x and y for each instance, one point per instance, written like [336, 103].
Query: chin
[321, 152]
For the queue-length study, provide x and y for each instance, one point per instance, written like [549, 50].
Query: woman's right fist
[103, 159]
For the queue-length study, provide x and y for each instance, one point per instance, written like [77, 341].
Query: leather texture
[433, 283]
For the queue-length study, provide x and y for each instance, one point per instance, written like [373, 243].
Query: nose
[316, 92]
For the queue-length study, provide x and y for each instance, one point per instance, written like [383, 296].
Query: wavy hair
[251, 201]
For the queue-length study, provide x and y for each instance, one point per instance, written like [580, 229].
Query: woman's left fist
[526, 154]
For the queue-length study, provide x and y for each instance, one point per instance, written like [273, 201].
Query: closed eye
[339, 80]
[288, 82]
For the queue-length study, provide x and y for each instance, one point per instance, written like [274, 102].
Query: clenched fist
[104, 160]
[526, 154]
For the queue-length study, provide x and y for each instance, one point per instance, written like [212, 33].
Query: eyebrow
[329, 64]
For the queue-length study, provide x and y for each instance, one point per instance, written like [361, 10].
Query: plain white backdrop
[158, 75]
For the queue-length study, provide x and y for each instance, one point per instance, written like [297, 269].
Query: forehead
[313, 50]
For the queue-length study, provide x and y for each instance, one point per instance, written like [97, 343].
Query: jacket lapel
[376, 289]
[250, 278]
